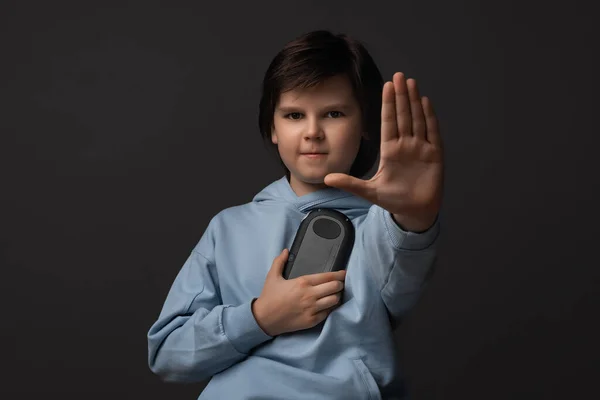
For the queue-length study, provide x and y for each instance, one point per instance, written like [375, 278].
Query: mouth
[314, 155]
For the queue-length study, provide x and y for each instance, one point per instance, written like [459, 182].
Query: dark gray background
[126, 127]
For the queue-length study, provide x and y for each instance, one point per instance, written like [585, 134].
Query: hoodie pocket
[368, 381]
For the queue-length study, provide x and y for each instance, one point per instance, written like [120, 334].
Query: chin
[317, 175]
[312, 178]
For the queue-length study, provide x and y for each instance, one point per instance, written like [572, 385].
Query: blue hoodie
[206, 327]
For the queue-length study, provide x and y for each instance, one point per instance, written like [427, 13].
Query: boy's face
[317, 132]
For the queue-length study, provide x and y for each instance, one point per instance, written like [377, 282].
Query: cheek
[286, 147]
[349, 144]
[347, 151]
[285, 139]
[280, 134]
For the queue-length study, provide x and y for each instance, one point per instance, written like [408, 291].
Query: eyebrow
[337, 106]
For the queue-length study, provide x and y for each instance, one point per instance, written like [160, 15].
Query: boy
[232, 317]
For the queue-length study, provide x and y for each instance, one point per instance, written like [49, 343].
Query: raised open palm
[409, 180]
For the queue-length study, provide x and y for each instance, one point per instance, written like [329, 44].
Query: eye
[336, 114]
[294, 115]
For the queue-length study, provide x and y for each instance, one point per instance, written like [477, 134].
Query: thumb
[349, 183]
[279, 264]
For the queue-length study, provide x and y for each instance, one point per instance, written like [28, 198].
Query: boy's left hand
[409, 180]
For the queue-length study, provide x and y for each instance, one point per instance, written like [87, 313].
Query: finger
[389, 125]
[279, 264]
[403, 117]
[327, 302]
[433, 131]
[351, 184]
[419, 128]
[327, 288]
[317, 279]
[321, 315]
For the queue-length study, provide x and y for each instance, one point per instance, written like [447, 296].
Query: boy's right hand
[296, 304]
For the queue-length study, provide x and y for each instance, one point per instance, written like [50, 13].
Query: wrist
[411, 224]
[261, 316]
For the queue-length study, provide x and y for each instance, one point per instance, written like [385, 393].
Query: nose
[313, 130]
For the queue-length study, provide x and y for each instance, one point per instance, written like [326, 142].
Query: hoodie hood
[280, 191]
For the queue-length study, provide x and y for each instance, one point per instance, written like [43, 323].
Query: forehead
[337, 89]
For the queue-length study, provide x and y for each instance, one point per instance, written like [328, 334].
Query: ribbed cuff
[404, 240]
[241, 327]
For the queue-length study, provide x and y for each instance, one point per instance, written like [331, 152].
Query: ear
[273, 137]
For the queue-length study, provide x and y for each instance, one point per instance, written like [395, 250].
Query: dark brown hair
[313, 57]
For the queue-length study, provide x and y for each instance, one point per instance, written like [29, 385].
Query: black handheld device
[323, 243]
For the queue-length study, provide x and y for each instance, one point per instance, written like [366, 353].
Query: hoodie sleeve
[401, 261]
[195, 335]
